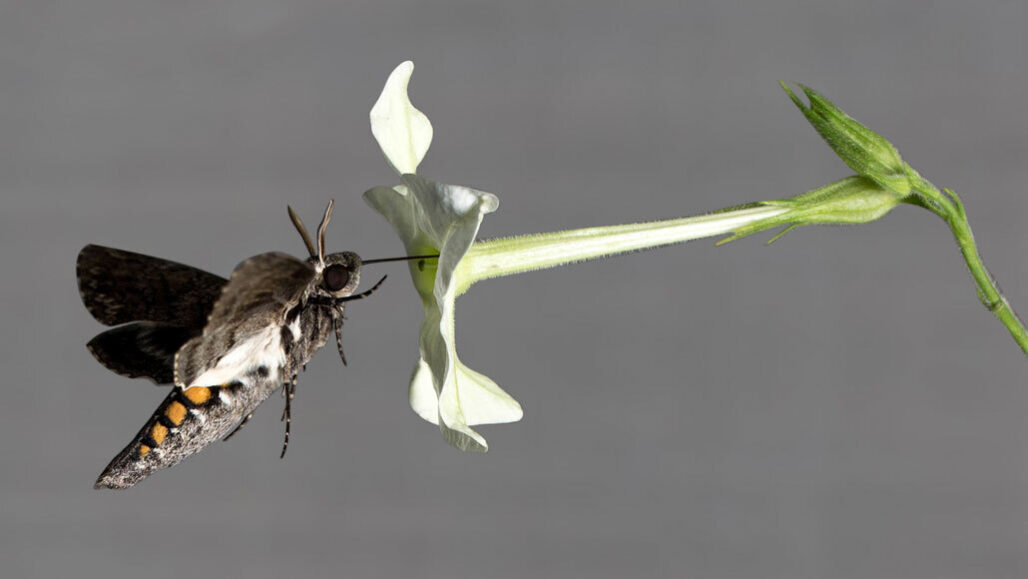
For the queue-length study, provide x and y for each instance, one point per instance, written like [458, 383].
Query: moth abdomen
[185, 422]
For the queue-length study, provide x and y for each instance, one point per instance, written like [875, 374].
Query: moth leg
[336, 302]
[338, 325]
[364, 294]
[238, 426]
[288, 390]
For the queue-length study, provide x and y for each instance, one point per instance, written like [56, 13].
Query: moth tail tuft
[110, 479]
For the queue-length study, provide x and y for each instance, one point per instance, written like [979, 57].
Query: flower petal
[448, 213]
[402, 131]
[430, 217]
[424, 400]
[454, 426]
[482, 400]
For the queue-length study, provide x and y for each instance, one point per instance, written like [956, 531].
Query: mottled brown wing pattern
[160, 304]
[119, 286]
[141, 349]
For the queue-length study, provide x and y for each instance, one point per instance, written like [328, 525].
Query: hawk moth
[224, 345]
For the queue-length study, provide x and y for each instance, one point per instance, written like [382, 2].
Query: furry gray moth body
[225, 345]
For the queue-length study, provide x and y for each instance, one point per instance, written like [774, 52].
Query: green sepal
[851, 200]
[865, 151]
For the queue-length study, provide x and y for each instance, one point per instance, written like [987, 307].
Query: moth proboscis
[224, 345]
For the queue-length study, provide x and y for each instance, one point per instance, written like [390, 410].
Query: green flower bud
[864, 150]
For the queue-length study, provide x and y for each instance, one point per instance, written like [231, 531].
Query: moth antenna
[298, 223]
[322, 228]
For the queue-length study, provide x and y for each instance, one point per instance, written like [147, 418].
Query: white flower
[444, 219]
[433, 218]
[430, 217]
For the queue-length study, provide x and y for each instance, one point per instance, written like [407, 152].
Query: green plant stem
[950, 208]
[988, 290]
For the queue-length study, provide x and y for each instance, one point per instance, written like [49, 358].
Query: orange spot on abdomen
[197, 394]
[159, 432]
[143, 450]
[175, 412]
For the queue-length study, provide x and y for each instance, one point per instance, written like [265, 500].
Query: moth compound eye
[336, 277]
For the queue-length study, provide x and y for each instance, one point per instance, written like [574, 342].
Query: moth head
[341, 274]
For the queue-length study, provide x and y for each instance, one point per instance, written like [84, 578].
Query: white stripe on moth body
[295, 330]
[262, 349]
[200, 416]
[225, 397]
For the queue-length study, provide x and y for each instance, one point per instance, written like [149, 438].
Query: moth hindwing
[224, 345]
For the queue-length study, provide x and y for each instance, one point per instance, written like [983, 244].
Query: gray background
[835, 405]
